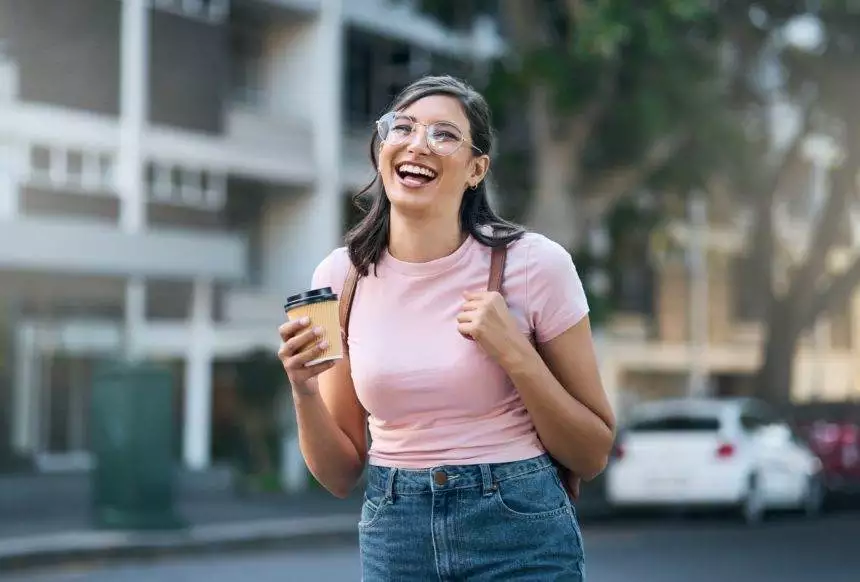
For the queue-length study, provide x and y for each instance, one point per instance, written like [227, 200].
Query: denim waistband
[393, 480]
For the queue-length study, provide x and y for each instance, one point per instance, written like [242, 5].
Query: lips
[415, 175]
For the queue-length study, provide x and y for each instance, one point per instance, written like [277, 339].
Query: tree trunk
[553, 210]
[775, 376]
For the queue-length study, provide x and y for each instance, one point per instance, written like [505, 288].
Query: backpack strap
[346, 297]
[497, 268]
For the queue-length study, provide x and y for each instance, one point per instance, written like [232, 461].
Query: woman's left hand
[485, 318]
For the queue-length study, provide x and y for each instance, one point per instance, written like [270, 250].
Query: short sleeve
[554, 293]
[332, 271]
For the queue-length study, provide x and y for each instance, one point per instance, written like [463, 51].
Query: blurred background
[171, 170]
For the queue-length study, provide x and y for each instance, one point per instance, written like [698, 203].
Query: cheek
[384, 159]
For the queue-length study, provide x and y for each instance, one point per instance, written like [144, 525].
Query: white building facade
[170, 170]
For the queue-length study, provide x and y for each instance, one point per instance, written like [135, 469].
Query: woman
[468, 394]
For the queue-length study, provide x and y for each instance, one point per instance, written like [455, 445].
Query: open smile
[414, 175]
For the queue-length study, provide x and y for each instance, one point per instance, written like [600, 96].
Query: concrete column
[8, 191]
[198, 380]
[299, 229]
[135, 317]
[328, 125]
[134, 105]
[25, 386]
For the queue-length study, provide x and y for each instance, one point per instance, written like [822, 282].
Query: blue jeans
[505, 521]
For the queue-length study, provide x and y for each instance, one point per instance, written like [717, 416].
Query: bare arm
[331, 421]
[332, 430]
[558, 382]
[561, 388]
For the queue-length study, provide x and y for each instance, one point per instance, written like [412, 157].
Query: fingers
[298, 360]
[475, 295]
[300, 341]
[291, 328]
[465, 317]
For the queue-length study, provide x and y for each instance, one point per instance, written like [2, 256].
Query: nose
[418, 140]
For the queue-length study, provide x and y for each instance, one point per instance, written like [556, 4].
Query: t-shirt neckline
[429, 268]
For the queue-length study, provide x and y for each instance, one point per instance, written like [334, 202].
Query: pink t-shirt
[433, 397]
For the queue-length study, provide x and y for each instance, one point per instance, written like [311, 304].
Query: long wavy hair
[367, 241]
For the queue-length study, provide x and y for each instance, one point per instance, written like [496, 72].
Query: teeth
[413, 169]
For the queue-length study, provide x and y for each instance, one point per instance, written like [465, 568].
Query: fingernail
[323, 344]
[319, 331]
[305, 320]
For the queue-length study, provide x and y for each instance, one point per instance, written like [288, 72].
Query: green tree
[612, 91]
[598, 100]
[823, 81]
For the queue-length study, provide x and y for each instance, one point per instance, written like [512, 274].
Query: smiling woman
[468, 356]
[437, 126]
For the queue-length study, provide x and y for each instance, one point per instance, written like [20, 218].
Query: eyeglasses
[442, 137]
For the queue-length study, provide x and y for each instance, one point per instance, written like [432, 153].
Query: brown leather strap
[497, 268]
[346, 297]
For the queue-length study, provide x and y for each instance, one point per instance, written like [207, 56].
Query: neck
[421, 240]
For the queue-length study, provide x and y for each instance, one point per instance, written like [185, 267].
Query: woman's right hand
[301, 344]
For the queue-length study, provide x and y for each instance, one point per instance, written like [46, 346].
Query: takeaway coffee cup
[321, 306]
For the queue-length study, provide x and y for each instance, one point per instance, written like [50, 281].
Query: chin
[412, 199]
[410, 202]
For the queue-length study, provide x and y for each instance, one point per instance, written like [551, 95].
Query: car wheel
[813, 501]
[753, 506]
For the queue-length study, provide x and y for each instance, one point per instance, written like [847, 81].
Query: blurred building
[688, 308]
[170, 170]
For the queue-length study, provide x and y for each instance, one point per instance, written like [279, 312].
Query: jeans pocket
[373, 507]
[535, 495]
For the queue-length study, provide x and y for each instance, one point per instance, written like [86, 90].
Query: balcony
[255, 144]
[62, 245]
[401, 22]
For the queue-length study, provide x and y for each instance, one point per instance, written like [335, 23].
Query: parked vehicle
[687, 453]
[837, 444]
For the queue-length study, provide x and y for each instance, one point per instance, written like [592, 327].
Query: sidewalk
[44, 520]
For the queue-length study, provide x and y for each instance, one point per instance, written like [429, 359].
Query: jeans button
[440, 478]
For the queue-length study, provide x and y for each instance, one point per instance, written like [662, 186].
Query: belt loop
[389, 485]
[487, 482]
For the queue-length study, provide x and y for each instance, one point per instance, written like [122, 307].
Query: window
[214, 11]
[676, 423]
[248, 57]
[377, 69]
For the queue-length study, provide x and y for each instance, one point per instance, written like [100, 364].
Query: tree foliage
[625, 87]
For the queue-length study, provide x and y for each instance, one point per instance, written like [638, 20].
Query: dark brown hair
[368, 240]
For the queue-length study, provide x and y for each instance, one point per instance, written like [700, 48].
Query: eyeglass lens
[442, 137]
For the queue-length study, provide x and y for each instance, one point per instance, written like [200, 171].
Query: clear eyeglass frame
[385, 124]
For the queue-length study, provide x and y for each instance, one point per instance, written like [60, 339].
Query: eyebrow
[416, 120]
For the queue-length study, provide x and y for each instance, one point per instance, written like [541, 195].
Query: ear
[480, 167]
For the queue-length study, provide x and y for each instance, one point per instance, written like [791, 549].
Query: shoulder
[332, 270]
[540, 254]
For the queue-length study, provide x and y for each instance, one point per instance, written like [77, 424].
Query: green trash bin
[132, 443]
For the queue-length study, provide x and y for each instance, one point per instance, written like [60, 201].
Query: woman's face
[427, 159]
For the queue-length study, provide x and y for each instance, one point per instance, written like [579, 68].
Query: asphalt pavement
[703, 549]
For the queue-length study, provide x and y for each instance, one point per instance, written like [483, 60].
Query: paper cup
[321, 306]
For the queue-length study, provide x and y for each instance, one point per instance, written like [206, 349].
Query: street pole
[697, 260]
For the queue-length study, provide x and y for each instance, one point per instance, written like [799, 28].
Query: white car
[713, 452]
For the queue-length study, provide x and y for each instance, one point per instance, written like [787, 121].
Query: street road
[785, 549]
